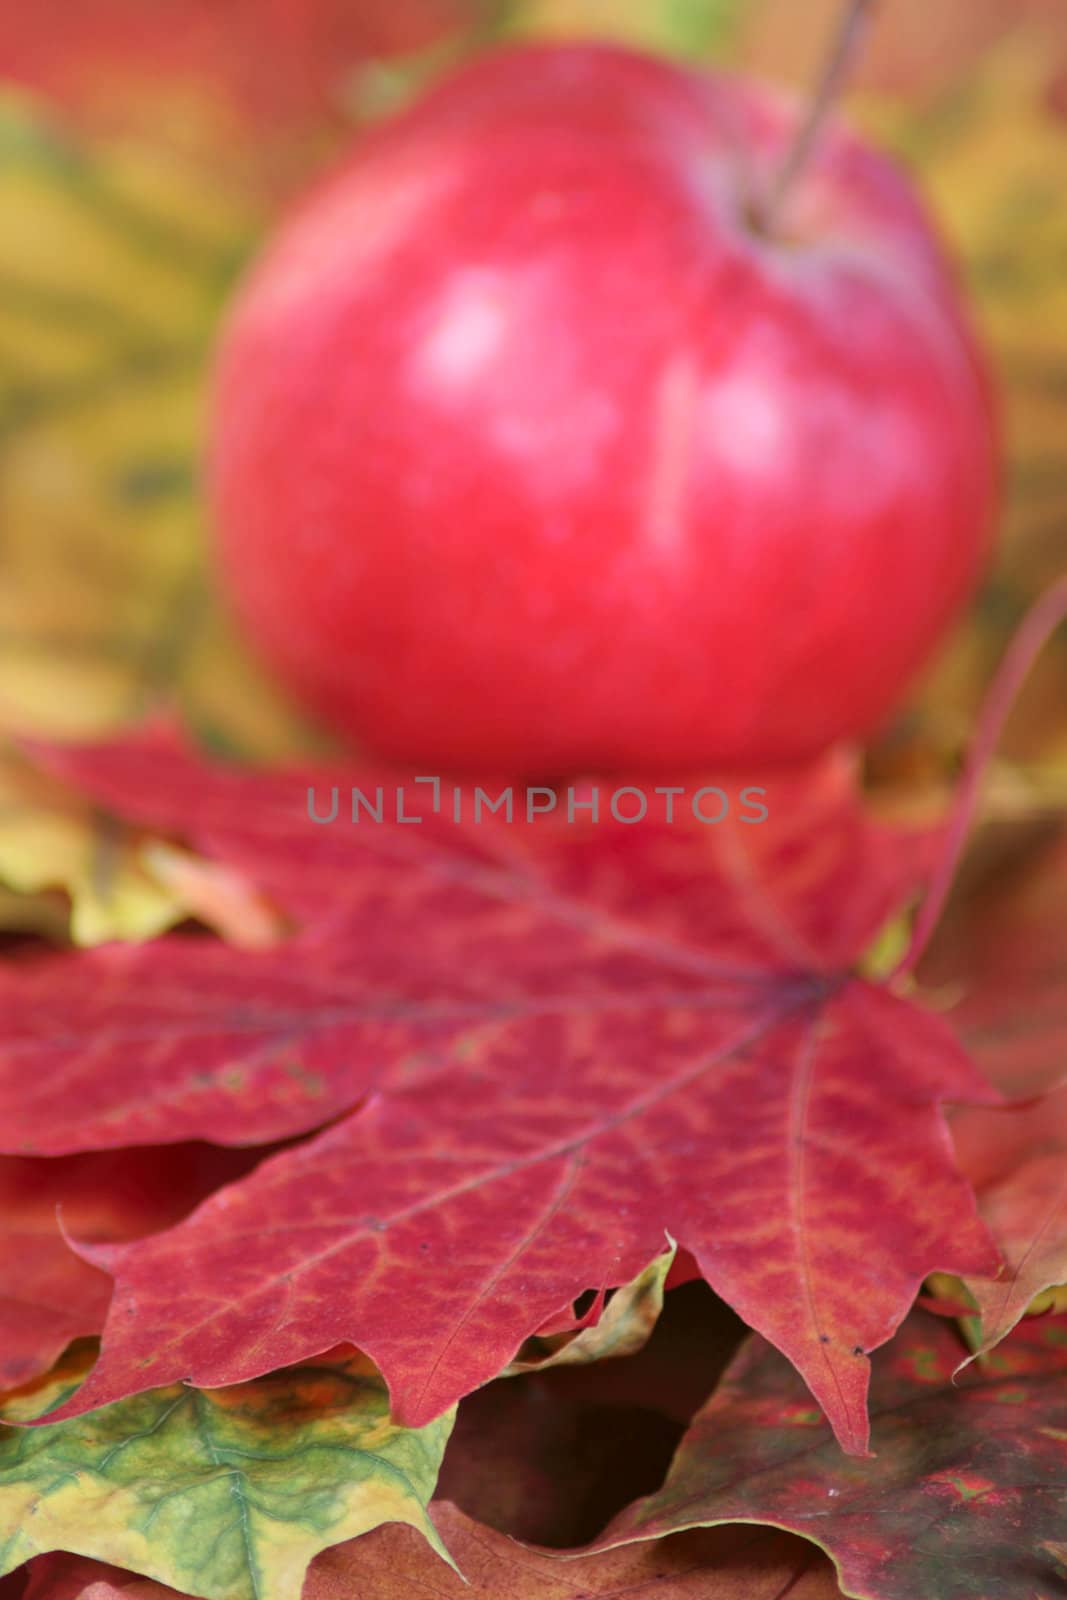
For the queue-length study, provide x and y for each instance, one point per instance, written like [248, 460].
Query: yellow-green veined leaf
[226, 1494]
[115, 266]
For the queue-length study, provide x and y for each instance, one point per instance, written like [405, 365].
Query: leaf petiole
[1034, 632]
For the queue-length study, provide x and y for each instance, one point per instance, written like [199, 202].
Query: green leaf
[226, 1494]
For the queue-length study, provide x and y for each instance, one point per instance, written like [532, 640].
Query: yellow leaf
[69, 864]
[622, 1328]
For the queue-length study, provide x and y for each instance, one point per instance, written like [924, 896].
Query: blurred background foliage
[147, 145]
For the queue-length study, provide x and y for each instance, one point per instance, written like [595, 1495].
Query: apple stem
[1033, 633]
[833, 75]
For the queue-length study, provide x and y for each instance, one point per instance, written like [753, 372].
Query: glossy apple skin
[531, 453]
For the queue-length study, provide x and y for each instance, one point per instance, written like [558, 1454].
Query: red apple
[535, 450]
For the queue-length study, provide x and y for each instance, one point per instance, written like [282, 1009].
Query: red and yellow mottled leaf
[547, 1034]
[967, 1482]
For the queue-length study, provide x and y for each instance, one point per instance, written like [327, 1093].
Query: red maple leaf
[559, 1044]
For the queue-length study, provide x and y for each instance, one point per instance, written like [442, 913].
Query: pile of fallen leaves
[475, 1103]
[595, 1208]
